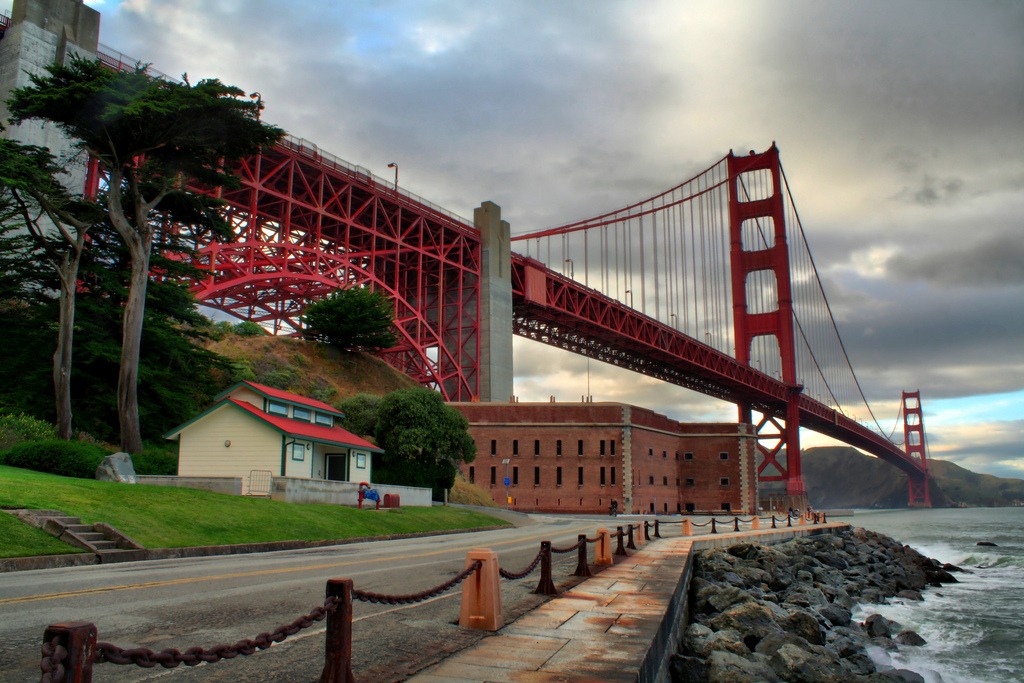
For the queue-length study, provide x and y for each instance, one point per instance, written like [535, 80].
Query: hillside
[316, 370]
[842, 477]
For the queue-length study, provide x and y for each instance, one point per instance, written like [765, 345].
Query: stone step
[78, 528]
[108, 556]
[102, 546]
[90, 536]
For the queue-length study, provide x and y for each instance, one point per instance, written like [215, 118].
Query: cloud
[994, 262]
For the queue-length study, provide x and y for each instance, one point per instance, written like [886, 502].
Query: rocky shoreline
[784, 612]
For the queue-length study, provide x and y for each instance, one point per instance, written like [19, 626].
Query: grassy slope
[163, 517]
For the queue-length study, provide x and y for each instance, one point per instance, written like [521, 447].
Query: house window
[494, 446]
[360, 461]
[690, 481]
[303, 414]
[324, 419]
[536, 446]
[613, 473]
[515, 446]
[558, 447]
[494, 476]
[724, 481]
[297, 451]
[515, 476]
[602, 446]
[579, 447]
[579, 475]
[277, 408]
[602, 476]
[723, 455]
[472, 474]
[558, 476]
[687, 456]
[536, 476]
[613, 446]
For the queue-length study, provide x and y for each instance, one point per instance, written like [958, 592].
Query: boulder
[725, 667]
[686, 669]
[117, 467]
[749, 618]
[797, 665]
[804, 625]
[988, 543]
[908, 637]
[836, 615]
[877, 626]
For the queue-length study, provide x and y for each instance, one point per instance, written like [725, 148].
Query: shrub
[157, 459]
[248, 328]
[66, 458]
[20, 427]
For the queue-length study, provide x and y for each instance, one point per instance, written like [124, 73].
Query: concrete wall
[294, 490]
[44, 32]
[229, 485]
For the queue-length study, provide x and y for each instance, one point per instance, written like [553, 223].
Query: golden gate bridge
[709, 285]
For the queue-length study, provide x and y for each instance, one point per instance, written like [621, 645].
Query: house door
[337, 466]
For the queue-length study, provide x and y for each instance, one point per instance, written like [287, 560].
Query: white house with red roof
[257, 433]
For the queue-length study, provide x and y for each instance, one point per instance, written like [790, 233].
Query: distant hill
[843, 477]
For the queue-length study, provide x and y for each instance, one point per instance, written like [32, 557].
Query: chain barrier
[413, 598]
[512, 576]
[170, 658]
[569, 549]
[52, 664]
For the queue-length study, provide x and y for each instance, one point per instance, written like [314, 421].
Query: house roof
[271, 392]
[297, 428]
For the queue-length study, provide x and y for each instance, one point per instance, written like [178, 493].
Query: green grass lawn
[165, 517]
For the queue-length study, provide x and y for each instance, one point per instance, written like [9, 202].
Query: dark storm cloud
[995, 262]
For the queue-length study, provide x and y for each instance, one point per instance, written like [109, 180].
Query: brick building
[579, 457]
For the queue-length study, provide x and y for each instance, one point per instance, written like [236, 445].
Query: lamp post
[505, 462]
[394, 166]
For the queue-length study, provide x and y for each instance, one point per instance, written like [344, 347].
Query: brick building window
[602, 446]
[602, 476]
[494, 446]
[724, 455]
[690, 481]
[536, 476]
[579, 447]
[664, 481]
[650, 480]
[472, 474]
[724, 481]
[579, 475]
[650, 452]
[558, 476]
[515, 446]
[494, 476]
[613, 474]
[664, 455]
[677, 455]
[515, 476]
[613, 446]
[536, 446]
[558, 447]
[687, 456]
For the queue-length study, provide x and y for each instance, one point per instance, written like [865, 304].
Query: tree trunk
[131, 345]
[68, 273]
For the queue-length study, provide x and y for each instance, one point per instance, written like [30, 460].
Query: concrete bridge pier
[495, 304]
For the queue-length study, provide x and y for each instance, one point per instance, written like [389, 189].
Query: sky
[900, 127]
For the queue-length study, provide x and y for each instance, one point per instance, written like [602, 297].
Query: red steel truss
[307, 224]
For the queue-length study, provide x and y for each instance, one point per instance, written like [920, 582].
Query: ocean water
[975, 628]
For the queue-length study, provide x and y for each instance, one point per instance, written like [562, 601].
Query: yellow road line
[236, 575]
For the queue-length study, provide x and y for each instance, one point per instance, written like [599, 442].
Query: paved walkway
[620, 625]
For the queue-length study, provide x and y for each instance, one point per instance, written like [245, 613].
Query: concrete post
[495, 304]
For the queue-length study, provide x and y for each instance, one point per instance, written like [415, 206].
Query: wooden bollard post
[74, 646]
[545, 586]
[773, 521]
[481, 594]
[647, 531]
[338, 650]
[714, 526]
[581, 557]
[603, 551]
[687, 527]
[824, 518]
[755, 523]
[620, 549]
[789, 520]
[657, 529]
[632, 544]
[735, 523]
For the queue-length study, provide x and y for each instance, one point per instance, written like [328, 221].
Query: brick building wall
[579, 457]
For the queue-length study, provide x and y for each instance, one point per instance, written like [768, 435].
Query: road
[221, 600]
